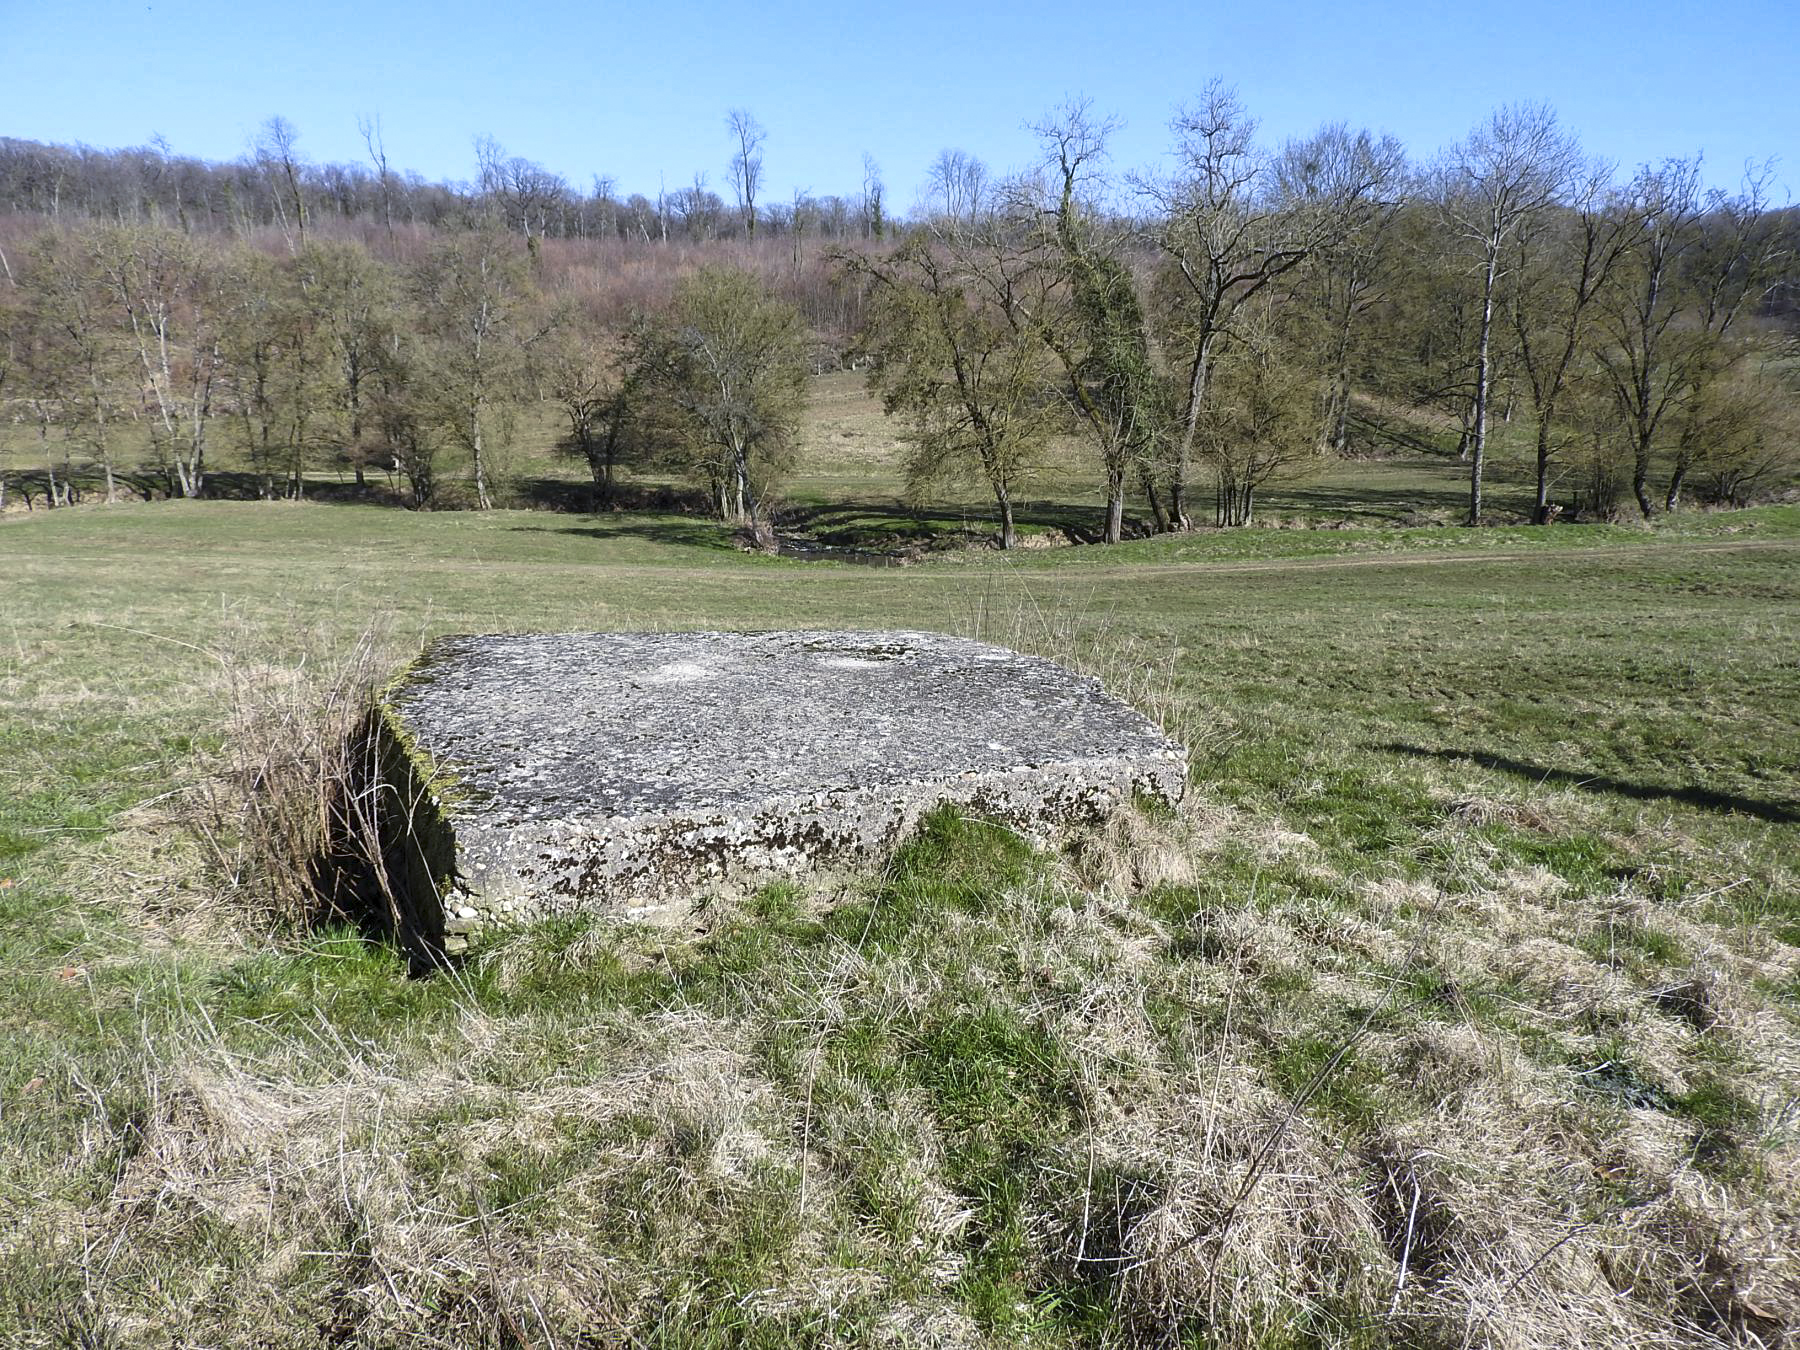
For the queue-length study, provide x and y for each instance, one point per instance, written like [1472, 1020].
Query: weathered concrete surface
[626, 770]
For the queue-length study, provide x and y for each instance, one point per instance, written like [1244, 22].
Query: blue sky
[637, 90]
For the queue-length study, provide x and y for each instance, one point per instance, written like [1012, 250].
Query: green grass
[1475, 800]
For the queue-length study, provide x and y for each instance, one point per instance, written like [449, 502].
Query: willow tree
[1092, 318]
[81, 349]
[960, 358]
[724, 373]
[474, 294]
[355, 305]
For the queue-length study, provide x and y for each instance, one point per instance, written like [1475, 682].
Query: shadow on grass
[703, 534]
[235, 485]
[581, 497]
[853, 523]
[1775, 812]
[1418, 503]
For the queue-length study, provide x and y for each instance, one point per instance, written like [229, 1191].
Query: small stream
[809, 550]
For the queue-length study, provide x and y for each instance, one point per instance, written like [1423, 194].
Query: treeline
[275, 186]
[1245, 315]
[1226, 330]
[137, 347]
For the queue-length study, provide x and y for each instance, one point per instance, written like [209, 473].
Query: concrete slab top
[536, 726]
[585, 763]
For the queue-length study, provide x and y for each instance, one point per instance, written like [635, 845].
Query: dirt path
[1419, 558]
[248, 556]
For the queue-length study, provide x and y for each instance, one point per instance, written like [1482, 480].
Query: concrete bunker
[526, 774]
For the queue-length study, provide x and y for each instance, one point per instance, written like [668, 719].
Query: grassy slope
[1512, 815]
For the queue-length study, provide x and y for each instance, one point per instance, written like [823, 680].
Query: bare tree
[1261, 421]
[524, 193]
[276, 153]
[746, 162]
[606, 203]
[699, 208]
[873, 222]
[403, 414]
[353, 301]
[16, 321]
[1350, 272]
[66, 282]
[162, 286]
[957, 186]
[803, 213]
[1563, 262]
[1228, 235]
[1096, 327]
[370, 127]
[472, 292]
[1489, 187]
[252, 360]
[1741, 432]
[587, 382]
[1670, 319]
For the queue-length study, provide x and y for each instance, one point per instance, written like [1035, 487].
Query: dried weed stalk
[285, 814]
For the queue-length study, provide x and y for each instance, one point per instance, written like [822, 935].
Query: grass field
[1459, 1005]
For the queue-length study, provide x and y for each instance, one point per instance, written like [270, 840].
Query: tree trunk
[1541, 513]
[746, 497]
[1338, 423]
[1640, 473]
[1008, 536]
[102, 441]
[482, 499]
[1340, 417]
[1159, 519]
[1115, 504]
[1197, 381]
[1676, 481]
[1478, 444]
[190, 481]
[1644, 431]
[355, 398]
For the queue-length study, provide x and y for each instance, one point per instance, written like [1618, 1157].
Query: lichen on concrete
[629, 771]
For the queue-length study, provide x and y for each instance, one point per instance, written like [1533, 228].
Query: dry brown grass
[1274, 1098]
[286, 801]
[1479, 1196]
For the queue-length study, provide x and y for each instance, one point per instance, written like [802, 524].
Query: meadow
[1458, 1005]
